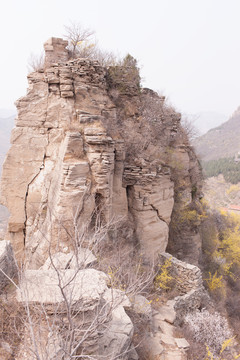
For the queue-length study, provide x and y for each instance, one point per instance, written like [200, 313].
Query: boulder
[83, 288]
[96, 312]
[141, 305]
[69, 260]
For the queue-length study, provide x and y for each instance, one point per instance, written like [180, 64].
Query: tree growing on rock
[81, 42]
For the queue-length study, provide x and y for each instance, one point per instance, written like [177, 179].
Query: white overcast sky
[187, 49]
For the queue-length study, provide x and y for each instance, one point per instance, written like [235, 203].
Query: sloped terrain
[206, 120]
[222, 141]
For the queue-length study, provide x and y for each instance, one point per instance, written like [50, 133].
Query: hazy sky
[187, 49]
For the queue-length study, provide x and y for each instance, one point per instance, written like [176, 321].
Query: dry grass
[11, 327]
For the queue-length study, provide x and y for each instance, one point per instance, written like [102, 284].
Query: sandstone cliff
[88, 140]
[91, 148]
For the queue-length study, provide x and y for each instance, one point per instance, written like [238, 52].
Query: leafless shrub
[147, 130]
[128, 274]
[83, 44]
[207, 328]
[36, 62]
[154, 114]
[80, 40]
[105, 58]
[233, 306]
[190, 130]
[66, 330]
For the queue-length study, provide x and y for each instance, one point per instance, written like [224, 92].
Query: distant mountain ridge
[220, 142]
[206, 120]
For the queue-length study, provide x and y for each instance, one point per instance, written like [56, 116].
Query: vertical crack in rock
[68, 97]
[46, 106]
[106, 148]
[27, 191]
[158, 215]
[26, 197]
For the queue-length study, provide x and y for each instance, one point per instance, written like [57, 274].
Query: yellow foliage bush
[223, 212]
[226, 344]
[233, 190]
[229, 247]
[214, 282]
[191, 217]
[164, 279]
[114, 280]
[204, 203]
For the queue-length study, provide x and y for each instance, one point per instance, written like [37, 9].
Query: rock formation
[90, 148]
[67, 158]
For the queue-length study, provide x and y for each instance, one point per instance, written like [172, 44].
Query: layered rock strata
[90, 148]
[67, 163]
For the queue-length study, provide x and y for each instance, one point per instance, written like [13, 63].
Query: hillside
[206, 120]
[221, 194]
[222, 141]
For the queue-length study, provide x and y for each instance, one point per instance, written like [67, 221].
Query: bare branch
[189, 128]
[35, 62]
[80, 40]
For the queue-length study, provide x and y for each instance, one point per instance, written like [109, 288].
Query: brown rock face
[71, 157]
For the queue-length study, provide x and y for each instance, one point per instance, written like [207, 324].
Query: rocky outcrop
[91, 148]
[96, 325]
[67, 165]
[61, 156]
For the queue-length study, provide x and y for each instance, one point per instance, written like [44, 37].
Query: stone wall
[188, 277]
[55, 51]
[195, 299]
[189, 285]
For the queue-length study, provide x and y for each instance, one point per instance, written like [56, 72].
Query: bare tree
[81, 42]
[105, 58]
